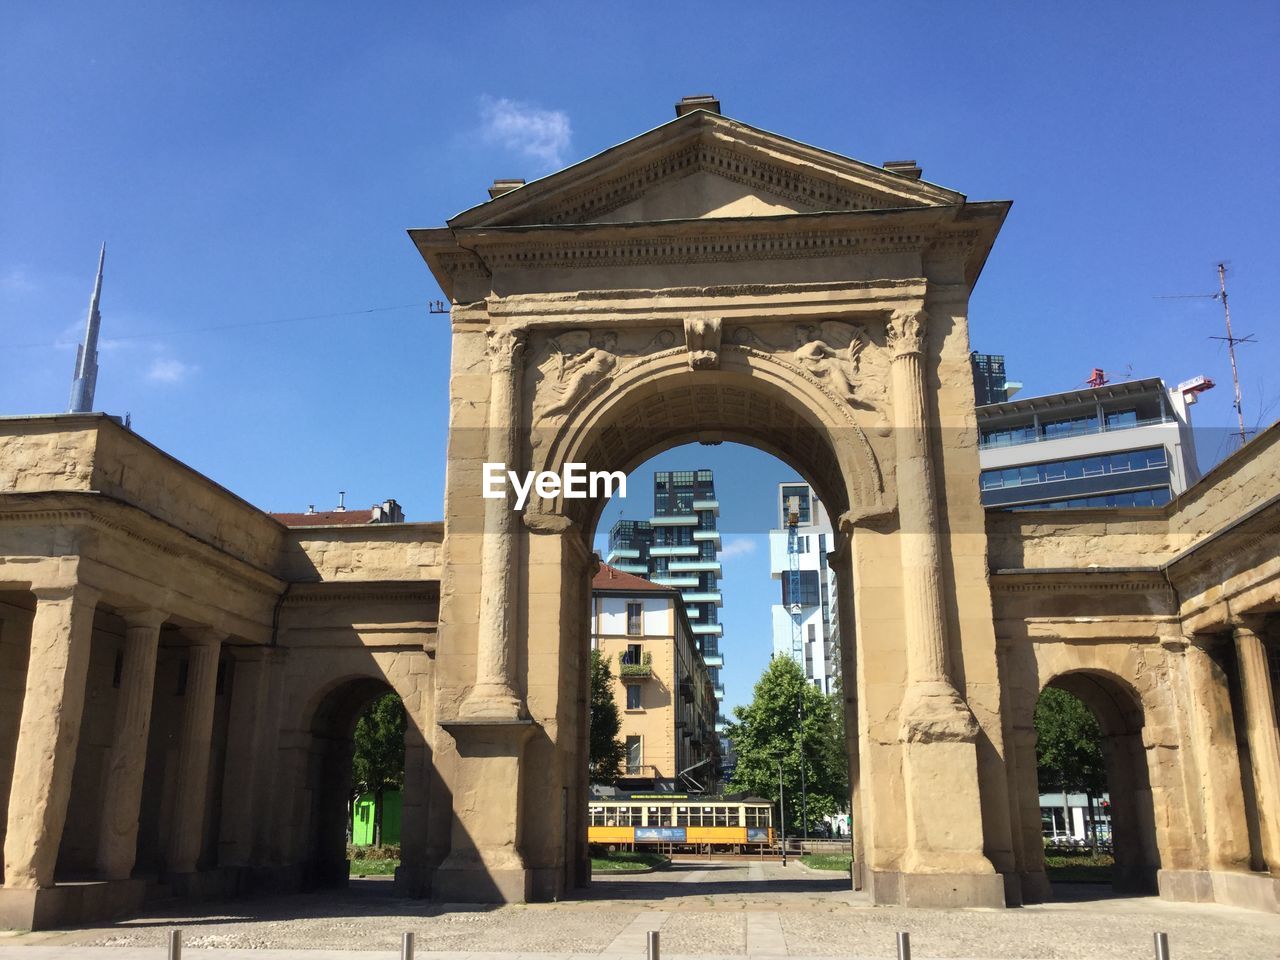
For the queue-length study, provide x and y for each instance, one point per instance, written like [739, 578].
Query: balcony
[712, 596]
[675, 520]
[676, 581]
[637, 568]
[629, 669]
[682, 550]
[708, 629]
[694, 566]
[622, 553]
[713, 659]
[722, 726]
[713, 505]
[719, 688]
[700, 536]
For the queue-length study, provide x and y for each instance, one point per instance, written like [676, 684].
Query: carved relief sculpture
[832, 354]
[577, 364]
[702, 337]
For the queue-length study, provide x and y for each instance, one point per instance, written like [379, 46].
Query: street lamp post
[804, 788]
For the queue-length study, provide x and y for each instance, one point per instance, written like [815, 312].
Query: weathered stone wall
[402, 551]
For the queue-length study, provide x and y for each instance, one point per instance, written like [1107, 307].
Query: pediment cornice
[808, 178]
[458, 255]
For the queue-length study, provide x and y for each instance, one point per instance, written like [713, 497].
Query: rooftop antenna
[1230, 339]
[85, 378]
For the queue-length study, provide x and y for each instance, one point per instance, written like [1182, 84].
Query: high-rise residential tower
[805, 624]
[679, 546]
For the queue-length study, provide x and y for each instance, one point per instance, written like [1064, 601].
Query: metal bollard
[904, 945]
[406, 947]
[1162, 946]
[652, 953]
[175, 945]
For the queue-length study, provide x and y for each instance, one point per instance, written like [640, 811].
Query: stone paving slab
[727, 915]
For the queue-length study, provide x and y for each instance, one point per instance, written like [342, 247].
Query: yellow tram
[675, 821]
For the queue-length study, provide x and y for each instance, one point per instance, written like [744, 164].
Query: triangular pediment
[703, 166]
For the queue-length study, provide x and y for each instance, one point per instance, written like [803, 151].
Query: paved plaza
[703, 909]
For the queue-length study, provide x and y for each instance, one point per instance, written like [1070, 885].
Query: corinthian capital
[504, 347]
[905, 331]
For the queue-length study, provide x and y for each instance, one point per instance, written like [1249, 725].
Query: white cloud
[541, 135]
[738, 547]
[169, 370]
[17, 280]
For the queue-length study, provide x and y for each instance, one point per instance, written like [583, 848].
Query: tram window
[659, 816]
[722, 819]
[610, 816]
[597, 816]
[734, 819]
[682, 817]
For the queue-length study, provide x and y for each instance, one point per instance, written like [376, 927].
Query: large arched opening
[331, 786]
[660, 403]
[1122, 821]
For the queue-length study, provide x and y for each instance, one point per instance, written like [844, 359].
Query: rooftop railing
[1008, 441]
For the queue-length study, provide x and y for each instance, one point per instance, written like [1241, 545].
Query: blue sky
[260, 162]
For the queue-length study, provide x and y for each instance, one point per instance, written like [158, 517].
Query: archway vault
[751, 398]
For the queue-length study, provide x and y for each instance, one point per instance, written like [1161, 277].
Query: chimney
[698, 101]
[386, 512]
[311, 508]
[342, 502]
[905, 168]
[503, 186]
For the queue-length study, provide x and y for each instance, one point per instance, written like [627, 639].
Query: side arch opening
[1095, 783]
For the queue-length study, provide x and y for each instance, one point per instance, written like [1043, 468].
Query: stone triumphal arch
[181, 671]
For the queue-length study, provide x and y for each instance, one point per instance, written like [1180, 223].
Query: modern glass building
[805, 623]
[679, 546]
[1125, 444]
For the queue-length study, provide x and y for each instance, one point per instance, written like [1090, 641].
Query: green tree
[607, 751]
[769, 729]
[1068, 747]
[378, 764]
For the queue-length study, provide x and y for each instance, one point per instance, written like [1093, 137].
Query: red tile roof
[325, 518]
[611, 578]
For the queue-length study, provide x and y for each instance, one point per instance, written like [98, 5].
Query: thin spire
[86, 373]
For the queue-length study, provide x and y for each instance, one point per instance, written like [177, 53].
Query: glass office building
[1125, 444]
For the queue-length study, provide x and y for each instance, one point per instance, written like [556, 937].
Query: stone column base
[413, 881]
[1035, 887]
[480, 884]
[936, 890]
[70, 904]
[1254, 891]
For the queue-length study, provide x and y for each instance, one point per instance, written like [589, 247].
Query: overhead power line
[157, 334]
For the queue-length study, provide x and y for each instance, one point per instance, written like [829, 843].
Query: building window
[635, 754]
[805, 592]
[1123, 462]
[633, 696]
[635, 619]
[632, 657]
[1155, 497]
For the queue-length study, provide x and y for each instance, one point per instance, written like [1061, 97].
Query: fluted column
[937, 731]
[48, 733]
[186, 825]
[1264, 739]
[931, 708]
[493, 697]
[122, 792]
